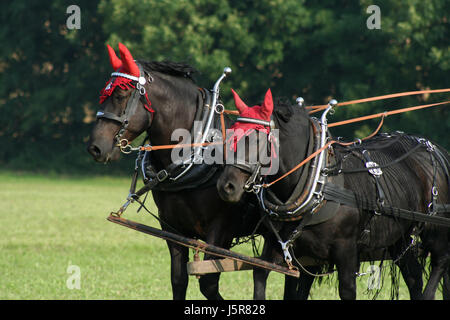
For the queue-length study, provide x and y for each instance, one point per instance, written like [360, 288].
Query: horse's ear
[130, 67]
[267, 106]
[116, 63]
[240, 105]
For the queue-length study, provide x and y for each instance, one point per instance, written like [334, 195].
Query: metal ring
[127, 149]
[123, 143]
[219, 108]
[125, 146]
[141, 89]
[256, 188]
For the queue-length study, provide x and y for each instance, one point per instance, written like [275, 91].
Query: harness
[176, 176]
[194, 173]
[308, 193]
[322, 192]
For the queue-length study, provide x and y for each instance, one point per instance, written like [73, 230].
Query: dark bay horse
[170, 102]
[407, 182]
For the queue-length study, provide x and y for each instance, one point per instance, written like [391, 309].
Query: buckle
[162, 175]
[374, 168]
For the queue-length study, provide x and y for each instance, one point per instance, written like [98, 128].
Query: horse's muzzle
[94, 151]
[231, 184]
[103, 154]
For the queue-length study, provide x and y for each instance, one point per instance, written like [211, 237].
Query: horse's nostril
[94, 151]
[229, 188]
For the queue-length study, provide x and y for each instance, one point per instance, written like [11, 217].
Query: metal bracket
[287, 255]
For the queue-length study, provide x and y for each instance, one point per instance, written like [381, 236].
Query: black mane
[290, 117]
[176, 69]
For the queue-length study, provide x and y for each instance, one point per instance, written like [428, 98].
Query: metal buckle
[250, 184]
[162, 175]
[287, 256]
[374, 168]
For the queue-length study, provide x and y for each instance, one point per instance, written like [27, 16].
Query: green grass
[49, 223]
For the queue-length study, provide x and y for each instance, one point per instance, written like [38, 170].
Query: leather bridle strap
[123, 120]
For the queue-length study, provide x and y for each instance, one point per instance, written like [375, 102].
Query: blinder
[254, 169]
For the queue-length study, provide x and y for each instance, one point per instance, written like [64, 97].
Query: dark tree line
[50, 75]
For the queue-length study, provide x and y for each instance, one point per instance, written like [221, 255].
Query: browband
[252, 120]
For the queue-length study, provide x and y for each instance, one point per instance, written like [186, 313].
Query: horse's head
[285, 137]
[125, 111]
[247, 145]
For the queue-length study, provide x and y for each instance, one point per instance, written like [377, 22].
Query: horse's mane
[176, 69]
[290, 117]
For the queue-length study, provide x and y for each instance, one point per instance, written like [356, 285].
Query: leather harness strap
[344, 196]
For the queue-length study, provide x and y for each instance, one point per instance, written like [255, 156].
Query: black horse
[413, 169]
[170, 100]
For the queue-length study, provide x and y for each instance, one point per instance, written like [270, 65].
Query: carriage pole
[203, 247]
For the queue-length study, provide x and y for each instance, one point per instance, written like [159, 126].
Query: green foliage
[50, 79]
[50, 76]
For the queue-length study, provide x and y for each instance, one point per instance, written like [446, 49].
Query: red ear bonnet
[122, 67]
[244, 128]
[129, 66]
[116, 63]
[267, 106]
[126, 63]
[262, 112]
[240, 105]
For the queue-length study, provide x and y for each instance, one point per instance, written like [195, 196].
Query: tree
[50, 75]
[49, 82]
[303, 48]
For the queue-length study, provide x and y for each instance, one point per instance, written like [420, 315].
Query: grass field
[50, 223]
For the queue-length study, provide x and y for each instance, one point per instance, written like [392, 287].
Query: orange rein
[314, 109]
[340, 123]
[377, 98]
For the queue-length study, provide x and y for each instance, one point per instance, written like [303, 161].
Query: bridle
[253, 183]
[314, 195]
[130, 109]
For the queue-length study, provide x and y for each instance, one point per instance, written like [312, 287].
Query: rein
[253, 183]
[340, 123]
[127, 148]
[377, 98]
[318, 191]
